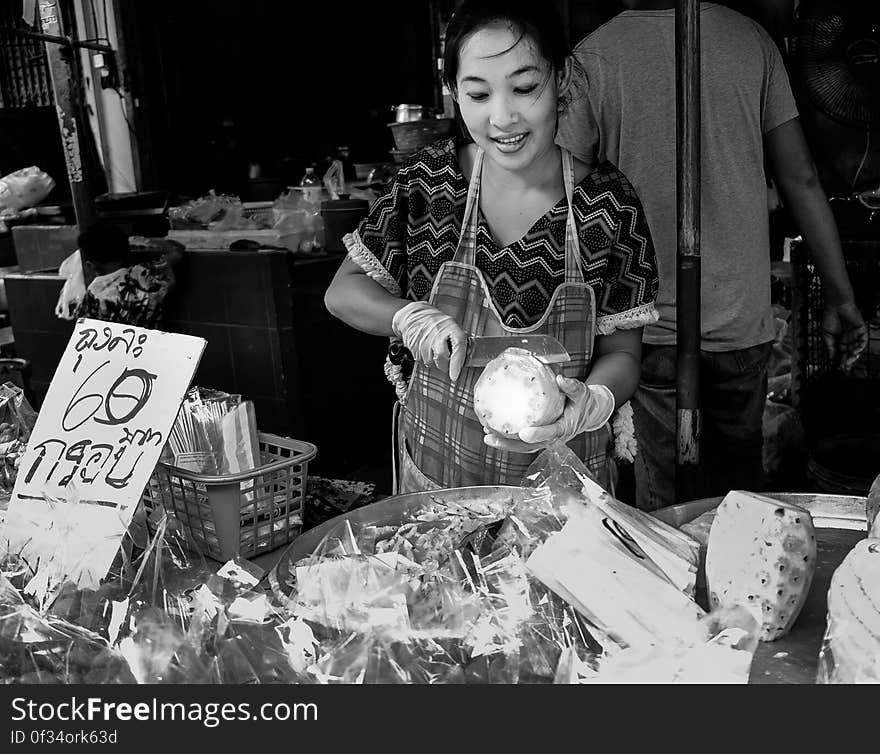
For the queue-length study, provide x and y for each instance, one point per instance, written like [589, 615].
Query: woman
[533, 242]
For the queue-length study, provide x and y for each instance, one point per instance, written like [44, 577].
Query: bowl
[362, 170]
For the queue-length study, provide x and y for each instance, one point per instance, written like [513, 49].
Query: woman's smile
[510, 143]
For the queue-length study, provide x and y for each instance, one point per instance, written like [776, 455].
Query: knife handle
[399, 354]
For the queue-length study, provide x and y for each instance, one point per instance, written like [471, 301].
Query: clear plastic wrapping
[441, 599]
[161, 616]
[722, 652]
[446, 594]
[207, 439]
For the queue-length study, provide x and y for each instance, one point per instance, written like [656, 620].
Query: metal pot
[406, 113]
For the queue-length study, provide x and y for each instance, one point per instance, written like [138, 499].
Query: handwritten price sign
[106, 417]
[108, 412]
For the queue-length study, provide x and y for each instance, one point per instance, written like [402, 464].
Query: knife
[482, 349]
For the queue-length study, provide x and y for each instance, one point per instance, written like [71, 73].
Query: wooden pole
[687, 100]
[62, 69]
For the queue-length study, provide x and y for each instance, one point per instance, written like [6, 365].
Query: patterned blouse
[131, 296]
[414, 228]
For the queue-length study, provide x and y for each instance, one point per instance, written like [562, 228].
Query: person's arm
[798, 182]
[802, 193]
[361, 302]
[367, 294]
[617, 363]
[366, 291]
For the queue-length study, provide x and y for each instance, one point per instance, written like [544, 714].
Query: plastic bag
[157, 651]
[721, 653]
[45, 649]
[25, 188]
[567, 486]
[598, 567]
[74, 289]
[373, 658]
[201, 213]
[169, 571]
[257, 654]
[430, 610]
[298, 222]
[196, 441]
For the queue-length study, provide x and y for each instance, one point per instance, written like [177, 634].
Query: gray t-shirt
[625, 113]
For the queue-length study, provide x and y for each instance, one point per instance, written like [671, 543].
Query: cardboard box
[43, 247]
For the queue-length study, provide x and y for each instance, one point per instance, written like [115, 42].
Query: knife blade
[482, 349]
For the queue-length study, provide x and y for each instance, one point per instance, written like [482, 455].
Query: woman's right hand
[431, 336]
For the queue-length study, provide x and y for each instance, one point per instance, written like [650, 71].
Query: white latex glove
[587, 408]
[431, 336]
[845, 334]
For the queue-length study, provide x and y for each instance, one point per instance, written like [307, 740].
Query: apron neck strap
[467, 242]
[573, 270]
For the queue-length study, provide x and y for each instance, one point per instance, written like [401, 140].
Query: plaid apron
[438, 438]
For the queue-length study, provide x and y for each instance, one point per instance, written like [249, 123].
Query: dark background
[291, 80]
[217, 86]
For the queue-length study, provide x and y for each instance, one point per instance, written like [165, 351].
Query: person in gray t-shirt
[625, 114]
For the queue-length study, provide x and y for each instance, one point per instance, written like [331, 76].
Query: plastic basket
[246, 514]
[416, 134]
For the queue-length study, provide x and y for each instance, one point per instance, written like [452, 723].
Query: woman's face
[506, 99]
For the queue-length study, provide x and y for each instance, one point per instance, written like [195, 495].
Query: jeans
[733, 392]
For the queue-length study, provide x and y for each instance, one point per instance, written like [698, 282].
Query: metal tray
[840, 521]
[827, 511]
[392, 511]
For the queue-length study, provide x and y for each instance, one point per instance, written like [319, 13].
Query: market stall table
[840, 522]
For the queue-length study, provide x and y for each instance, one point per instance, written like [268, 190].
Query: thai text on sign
[99, 434]
[108, 412]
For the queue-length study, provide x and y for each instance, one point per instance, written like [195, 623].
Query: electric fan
[836, 56]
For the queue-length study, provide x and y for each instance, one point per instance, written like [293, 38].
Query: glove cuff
[405, 314]
[605, 406]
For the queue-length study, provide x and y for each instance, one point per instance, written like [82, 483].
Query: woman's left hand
[587, 408]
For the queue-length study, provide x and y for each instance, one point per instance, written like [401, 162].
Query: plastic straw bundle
[196, 439]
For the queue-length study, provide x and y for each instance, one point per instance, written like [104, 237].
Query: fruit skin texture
[873, 509]
[853, 633]
[517, 390]
[762, 555]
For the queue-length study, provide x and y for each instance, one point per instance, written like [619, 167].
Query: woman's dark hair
[527, 18]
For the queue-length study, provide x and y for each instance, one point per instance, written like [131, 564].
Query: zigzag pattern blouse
[414, 228]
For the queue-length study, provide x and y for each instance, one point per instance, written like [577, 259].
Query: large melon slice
[517, 390]
[762, 555]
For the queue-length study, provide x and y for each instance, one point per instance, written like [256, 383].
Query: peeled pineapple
[872, 509]
[517, 390]
[854, 615]
[761, 554]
